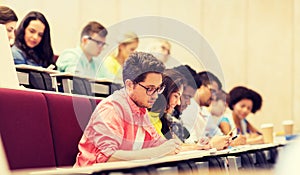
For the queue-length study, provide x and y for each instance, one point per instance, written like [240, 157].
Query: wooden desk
[147, 164]
[94, 87]
[23, 74]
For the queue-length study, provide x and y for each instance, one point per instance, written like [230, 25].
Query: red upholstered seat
[69, 116]
[25, 129]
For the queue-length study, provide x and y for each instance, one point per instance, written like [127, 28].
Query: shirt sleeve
[67, 62]
[223, 119]
[106, 131]
[18, 56]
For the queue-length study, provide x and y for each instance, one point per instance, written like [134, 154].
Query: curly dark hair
[239, 93]
[139, 64]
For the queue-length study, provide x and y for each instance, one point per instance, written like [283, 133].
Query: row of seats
[42, 129]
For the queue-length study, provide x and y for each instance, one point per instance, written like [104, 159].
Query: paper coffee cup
[267, 131]
[288, 126]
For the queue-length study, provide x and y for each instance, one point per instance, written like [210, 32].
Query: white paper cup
[267, 131]
[288, 126]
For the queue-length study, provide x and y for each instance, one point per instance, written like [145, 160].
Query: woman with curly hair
[242, 102]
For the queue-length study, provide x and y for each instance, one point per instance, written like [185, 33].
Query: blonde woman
[112, 66]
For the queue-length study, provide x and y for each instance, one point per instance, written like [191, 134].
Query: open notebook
[8, 75]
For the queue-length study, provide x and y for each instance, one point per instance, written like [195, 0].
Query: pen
[231, 131]
[234, 137]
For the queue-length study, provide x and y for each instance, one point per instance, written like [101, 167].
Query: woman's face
[126, 49]
[174, 99]
[10, 28]
[34, 33]
[243, 108]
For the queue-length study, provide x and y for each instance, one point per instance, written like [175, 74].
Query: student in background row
[33, 42]
[243, 101]
[119, 128]
[82, 59]
[194, 118]
[161, 49]
[9, 18]
[111, 68]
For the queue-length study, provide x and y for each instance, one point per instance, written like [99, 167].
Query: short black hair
[207, 78]
[93, 27]
[139, 64]
[240, 92]
[190, 75]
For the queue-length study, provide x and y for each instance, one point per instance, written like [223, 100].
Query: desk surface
[109, 166]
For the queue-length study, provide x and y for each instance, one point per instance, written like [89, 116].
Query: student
[33, 43]
[119, 128]
[9, 19]
[111, 68]
[193, 117]
[189, 90]
[243, 101]
[214, 114]
[82, 59]
[161, 49]
[162, 110]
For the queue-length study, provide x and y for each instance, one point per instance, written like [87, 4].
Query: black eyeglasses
[99, 43]
[150, 90]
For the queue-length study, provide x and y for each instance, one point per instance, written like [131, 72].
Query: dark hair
[239, 93]
[207, 78]
[93, 27]
[172, 80]
[222, 95]
[42, 53]
[139, 64]
[7, 15]
[190, 76]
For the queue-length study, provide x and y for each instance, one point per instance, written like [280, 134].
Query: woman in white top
[242, 102]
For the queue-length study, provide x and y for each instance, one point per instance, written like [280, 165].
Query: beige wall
[256, 41]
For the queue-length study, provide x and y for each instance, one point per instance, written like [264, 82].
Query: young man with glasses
[81, 60]
[119, 128]
[195, 116]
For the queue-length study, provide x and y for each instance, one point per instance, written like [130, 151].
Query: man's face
[93, 45]
[138, 93]
[186, 96]
[205, 94]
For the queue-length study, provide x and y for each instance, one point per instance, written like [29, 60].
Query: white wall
[256, 41]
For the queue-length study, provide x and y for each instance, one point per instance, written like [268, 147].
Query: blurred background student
[243, 101]
[9, 18]
[111, 68]
[161, 49]
[82, 60]
[33, 42]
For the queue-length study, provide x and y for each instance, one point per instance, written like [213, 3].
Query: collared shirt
[199, 122]
[113, 126]
[75, 61]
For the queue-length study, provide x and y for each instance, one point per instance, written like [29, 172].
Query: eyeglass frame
[99, 43]
[158, 90]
